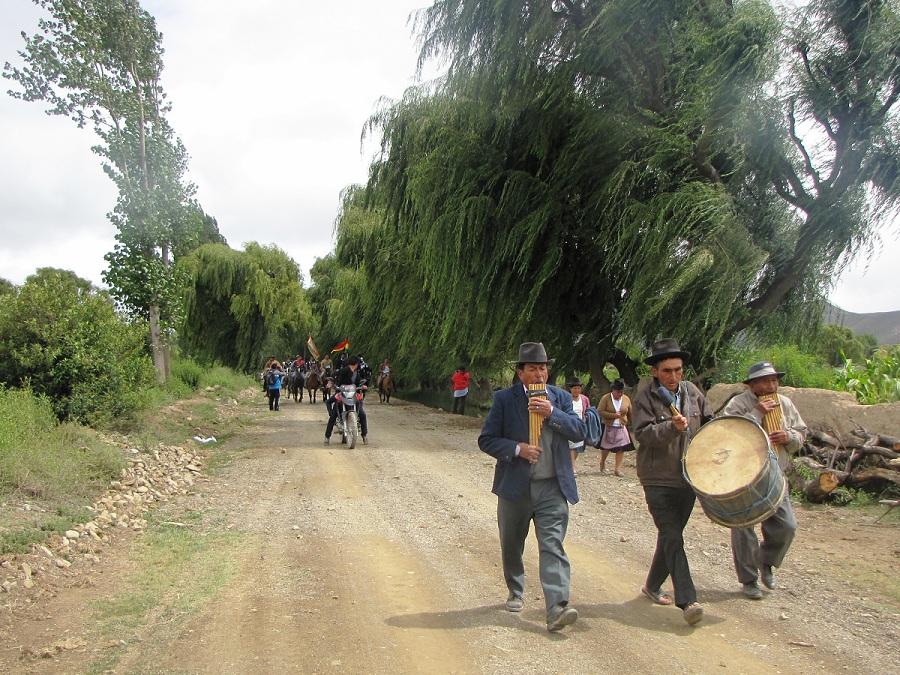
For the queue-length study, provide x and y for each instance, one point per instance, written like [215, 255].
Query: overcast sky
[270, 99]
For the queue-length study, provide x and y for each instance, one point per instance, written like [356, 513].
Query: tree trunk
[166, 334]
[595, 367]
[626, 366]
[865, 476]
[160, 356]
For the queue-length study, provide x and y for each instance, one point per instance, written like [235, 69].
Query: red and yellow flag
[312, 348]
[342, 346]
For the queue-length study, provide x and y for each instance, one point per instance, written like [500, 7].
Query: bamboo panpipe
[535, 420]
[772, 419]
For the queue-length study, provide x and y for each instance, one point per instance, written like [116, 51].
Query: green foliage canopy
[60, 337]
[241, 306]
[607, 172]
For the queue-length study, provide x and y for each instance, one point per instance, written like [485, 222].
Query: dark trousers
[671, 508]
[332, 419]
[459, 402]
[274, 398]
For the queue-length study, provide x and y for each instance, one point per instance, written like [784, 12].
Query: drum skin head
[726, 455]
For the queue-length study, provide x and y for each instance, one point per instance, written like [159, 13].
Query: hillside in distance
[883, 325]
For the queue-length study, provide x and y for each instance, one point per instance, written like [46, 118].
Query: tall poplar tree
[100, 63]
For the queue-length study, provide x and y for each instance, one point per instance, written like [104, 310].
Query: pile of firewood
[828, 461]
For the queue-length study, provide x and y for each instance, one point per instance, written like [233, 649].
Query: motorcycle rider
[349, 374]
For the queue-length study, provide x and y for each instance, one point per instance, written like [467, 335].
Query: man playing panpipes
[787, 431]
[527, 430]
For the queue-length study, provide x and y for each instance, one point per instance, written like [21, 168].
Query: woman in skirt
[615, 412]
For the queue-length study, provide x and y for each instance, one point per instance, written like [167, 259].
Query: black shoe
[515, 603]
[768, 577]
[560, 616]
[693, 613]
[752, 591]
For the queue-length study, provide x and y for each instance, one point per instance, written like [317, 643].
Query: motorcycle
[349, 399]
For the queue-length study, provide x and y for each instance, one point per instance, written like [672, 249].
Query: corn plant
[875, 381]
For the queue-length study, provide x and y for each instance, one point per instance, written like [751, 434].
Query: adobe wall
[826, 410]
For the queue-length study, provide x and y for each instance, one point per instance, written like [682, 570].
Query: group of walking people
[534, 478]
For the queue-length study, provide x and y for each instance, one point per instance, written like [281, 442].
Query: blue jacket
[507, 425]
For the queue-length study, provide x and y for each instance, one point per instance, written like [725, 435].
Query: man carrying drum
[787, 431]
[667, 412]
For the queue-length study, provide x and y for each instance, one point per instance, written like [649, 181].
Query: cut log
[884, 441]
[815, 489]
[822, 438]
[818, 489]
[866, 476]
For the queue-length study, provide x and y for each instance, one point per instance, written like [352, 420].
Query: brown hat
[667, 348]
[532, 352]
[574, 382]
[761, 369]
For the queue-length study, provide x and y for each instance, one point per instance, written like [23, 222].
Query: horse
[313, 384]
[295, 385]
[386, 388]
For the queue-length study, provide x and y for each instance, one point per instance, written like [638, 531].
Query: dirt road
[385, 559]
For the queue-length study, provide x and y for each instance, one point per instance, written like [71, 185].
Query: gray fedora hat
[762, 369]
[667, 348]
[532, 352]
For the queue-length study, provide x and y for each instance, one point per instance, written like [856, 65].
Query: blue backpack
[594, 427]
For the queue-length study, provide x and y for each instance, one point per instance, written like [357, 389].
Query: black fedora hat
[532, 352]
[667, 348]
[574, 382]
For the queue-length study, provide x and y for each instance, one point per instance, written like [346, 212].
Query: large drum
[734, 471]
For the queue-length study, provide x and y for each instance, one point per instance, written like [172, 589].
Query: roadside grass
[177, 569]
[50, 471]
[47, 471]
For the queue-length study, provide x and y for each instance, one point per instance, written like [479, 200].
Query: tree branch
[802, 148]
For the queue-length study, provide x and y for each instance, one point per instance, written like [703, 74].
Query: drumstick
[668, 398]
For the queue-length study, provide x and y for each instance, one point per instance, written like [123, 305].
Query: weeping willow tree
[603, 170]
[241, 306]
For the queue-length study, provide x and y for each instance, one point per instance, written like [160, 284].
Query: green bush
[836, 343]
[41, 458]
[876, 380]
[60, 336]
[187, 371]
[801, 369]
[230, 381]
